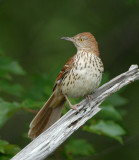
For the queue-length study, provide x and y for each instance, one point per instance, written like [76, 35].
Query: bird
[80, 77]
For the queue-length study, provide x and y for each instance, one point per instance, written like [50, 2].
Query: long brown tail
[48, 114]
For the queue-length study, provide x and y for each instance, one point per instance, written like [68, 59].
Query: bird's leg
[71, 106]
[88, 98]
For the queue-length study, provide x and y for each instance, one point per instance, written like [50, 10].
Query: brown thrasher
[80, 76]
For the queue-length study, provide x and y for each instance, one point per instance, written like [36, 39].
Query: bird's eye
[81, 39]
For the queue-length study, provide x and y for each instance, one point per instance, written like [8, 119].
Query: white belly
[82, 80]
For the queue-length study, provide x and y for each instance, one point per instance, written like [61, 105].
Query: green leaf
[8, 149]
[2, 143]
[29, 103]
[7, 110]
[116, 100]
[78, 147]
[5, 157]
[13, 89]
[7, 65]
[108, 128]
[109, 112]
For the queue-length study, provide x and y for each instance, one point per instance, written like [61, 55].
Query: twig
[30, 110]
[53, 137]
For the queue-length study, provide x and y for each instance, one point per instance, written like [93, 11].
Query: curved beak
[68, 39]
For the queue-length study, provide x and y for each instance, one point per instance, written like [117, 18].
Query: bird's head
[83, 41]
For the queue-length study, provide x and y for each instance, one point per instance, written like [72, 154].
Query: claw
[88, 98]
[72, 106]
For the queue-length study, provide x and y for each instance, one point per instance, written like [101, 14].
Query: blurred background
[31, 55]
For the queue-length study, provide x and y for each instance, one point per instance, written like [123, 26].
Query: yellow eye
[81, 39]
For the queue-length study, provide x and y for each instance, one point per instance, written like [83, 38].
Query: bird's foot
[88, 98]
[72, 106]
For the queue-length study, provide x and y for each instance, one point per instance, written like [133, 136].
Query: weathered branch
[54, 136]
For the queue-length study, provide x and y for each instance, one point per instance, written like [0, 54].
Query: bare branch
[54, 136]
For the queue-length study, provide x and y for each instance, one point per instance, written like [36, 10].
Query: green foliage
[31, 31]
[116, 99]
[109, 112]
[108, 122]
[13, 89]
[9, 66]
[41, 87]
[109, 119]
[108, 128]
[7, 150]
[32, 104]
[78, 148]
[7, 110]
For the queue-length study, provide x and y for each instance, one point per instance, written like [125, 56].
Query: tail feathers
[48, 115]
